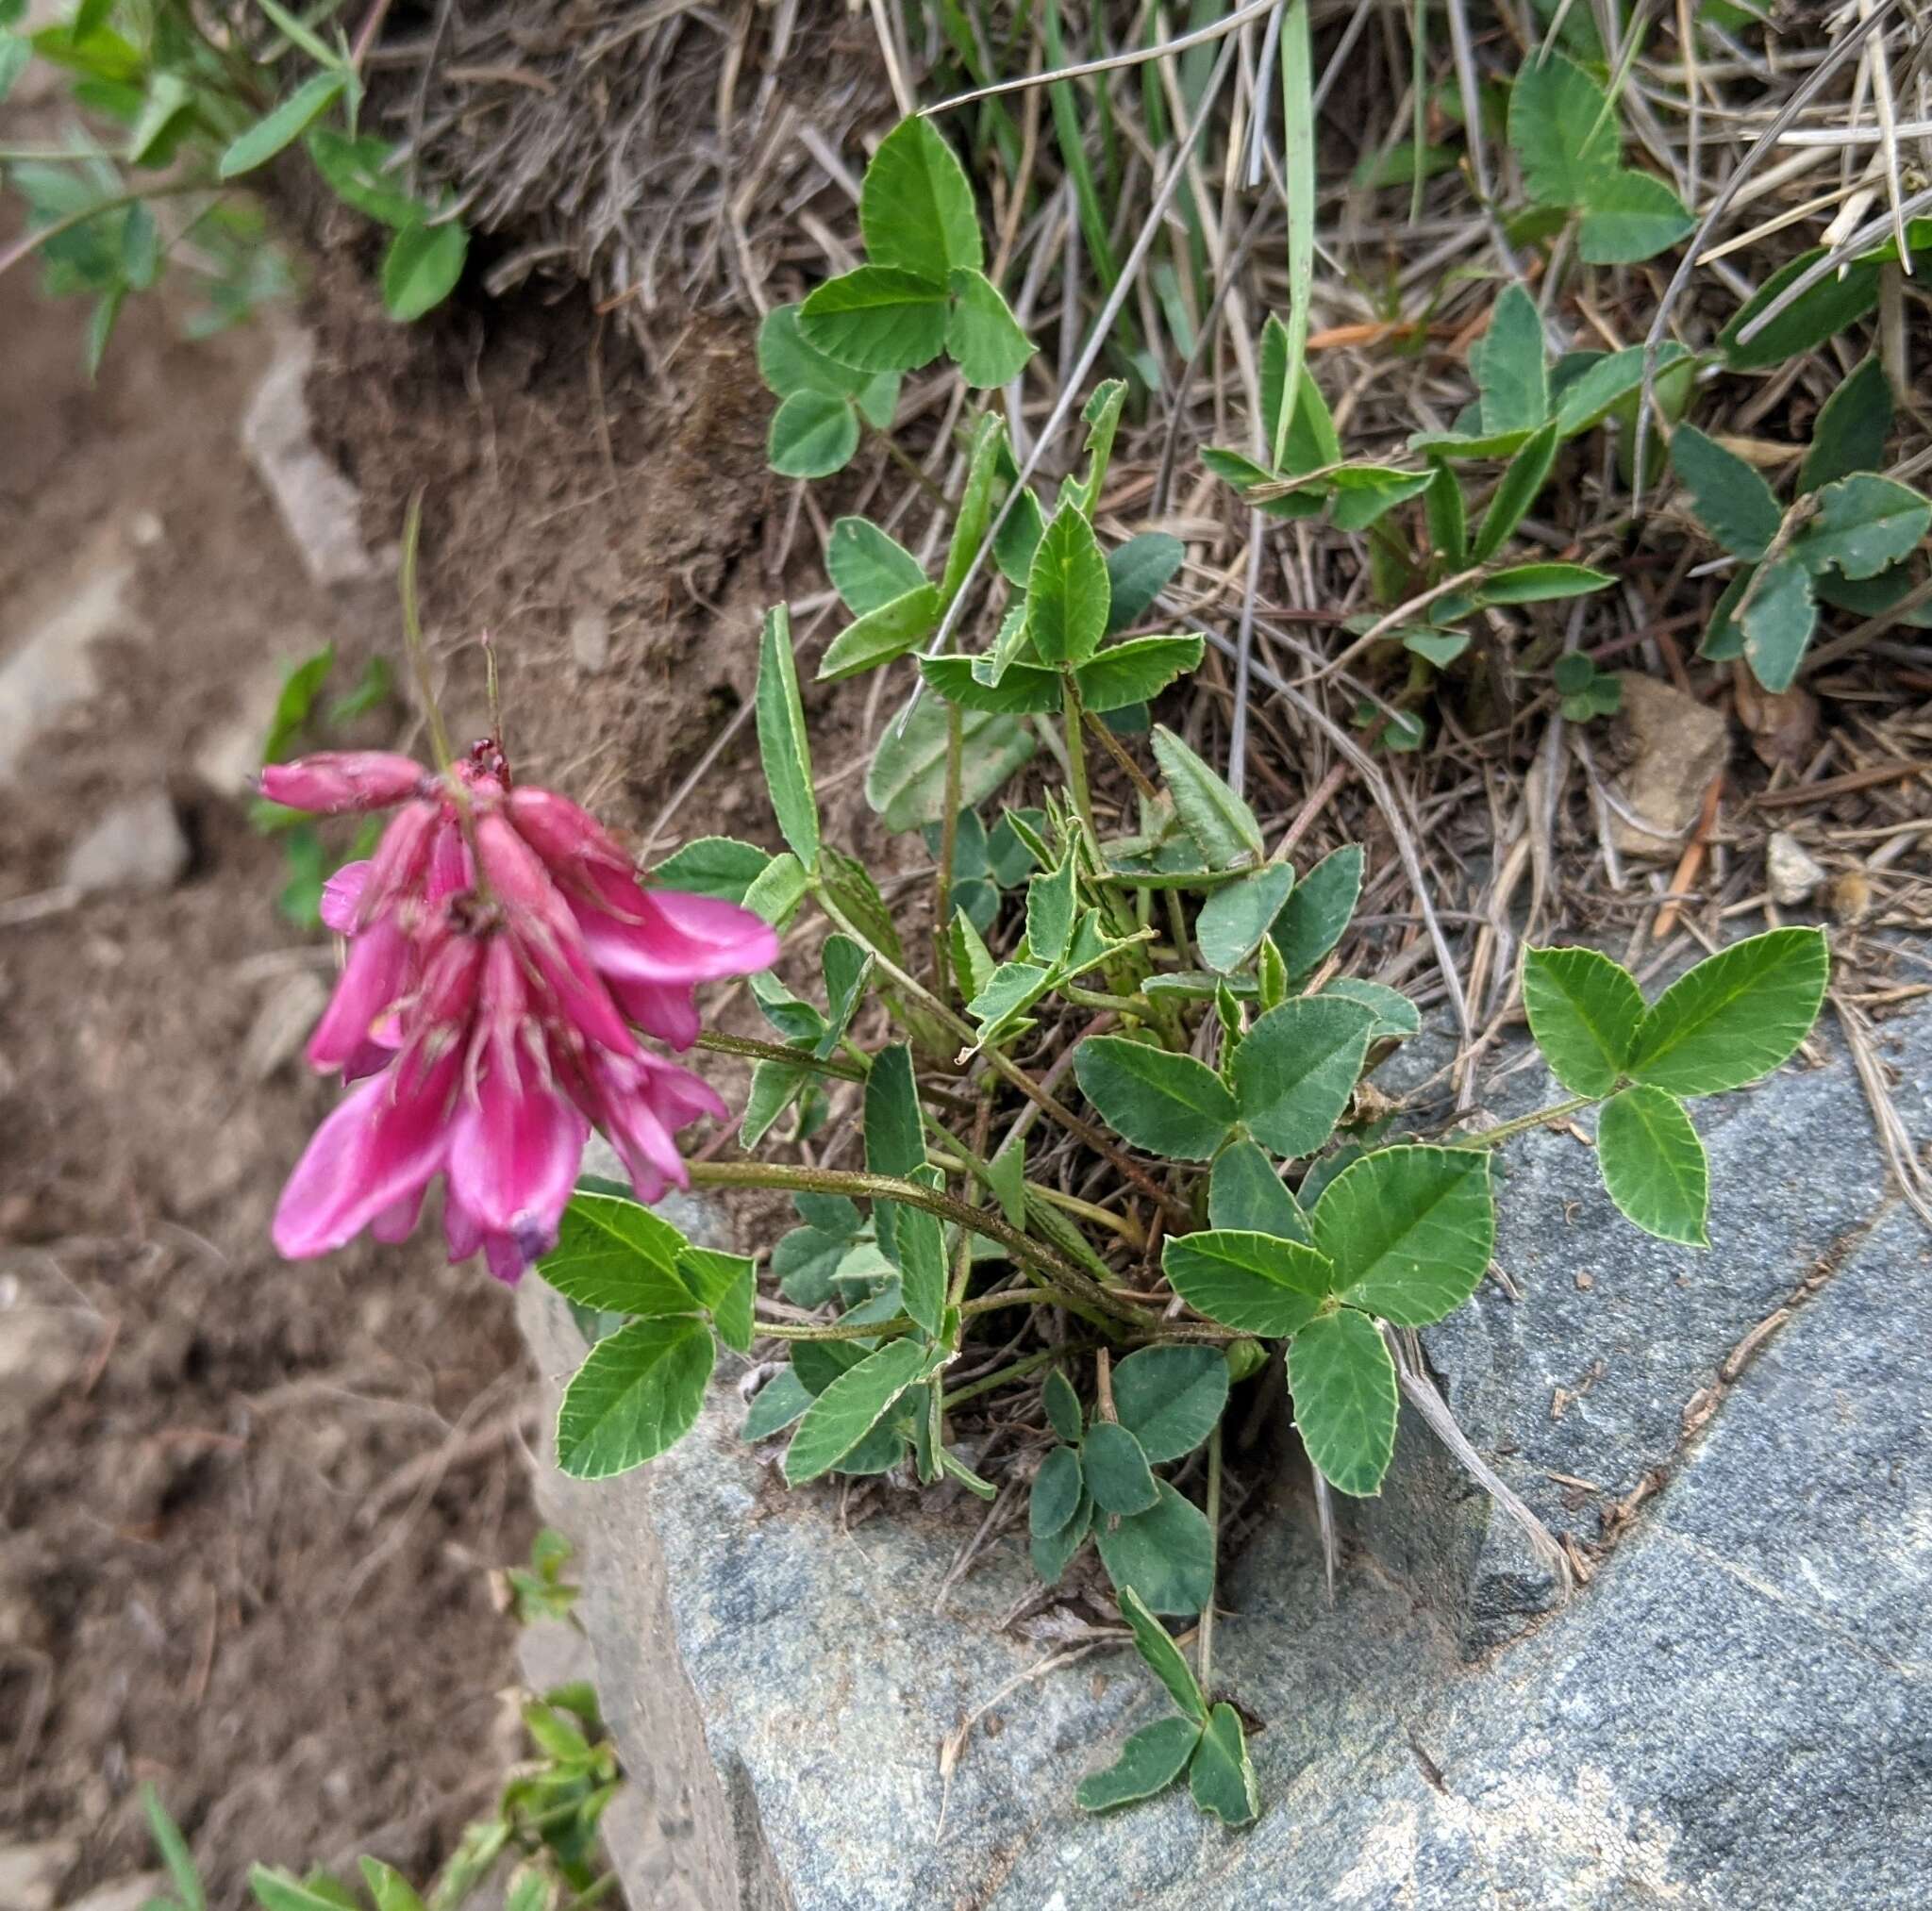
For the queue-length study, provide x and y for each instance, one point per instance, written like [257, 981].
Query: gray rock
[320, 508]
[290, 1009]
[137, 847]
[1734, 1712]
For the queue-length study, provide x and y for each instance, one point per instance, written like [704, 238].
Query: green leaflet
[1654, 1165]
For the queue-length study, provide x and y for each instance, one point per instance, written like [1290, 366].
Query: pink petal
[400, 859]
[668, 935]
[461, 1230]
[562, 833]
[666, 1010]
[380, 1147]
[334, 781]
[397, 1223]
[547, 935]
[341, 896]
[370, 983]
[515, 1149]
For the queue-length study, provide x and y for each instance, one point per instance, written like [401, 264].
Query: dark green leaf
[775, 1085]
[1297, 1068]
[636, 1393]
[804, 1263]
[1169, 1398]
[355, 170]
[1364, 493]
[1777, 617]
[783, 746]
[1052, 1554]
[1149, 1762]
[1023, 688]
[1067, 591]
[1833, 304]
[1588, 399]
[870, 568]
[894, 1131]
[1583, 1010]
[1734, 503]
[1851, 430]
[1245, 1192]
[1170, 1105]
[1115, 1469]
[1138, 571]
[1864, 524]
[1654, 1165]
[1395, 1014]
[1411, 1231]
[1236, 917]
[716, 865]
[1448, 523]
[1219, 1774]
[1315, 915]
[1255, 1283]
[1525, 477]
[848, 1409]
[1057, 1489]
[1345, 1399]
[1162, 1657]
[1166, 1555]
[974, 515]
[1063, 1406]
[1735, 1017]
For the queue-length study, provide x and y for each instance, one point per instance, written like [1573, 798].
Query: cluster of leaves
[1847, 538]
[303, 722]
[923, 291]
[195, 113]
[544, 1826]
[1565, 131]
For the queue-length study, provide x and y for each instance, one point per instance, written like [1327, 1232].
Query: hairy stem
[1488, 1138]
[754, 1049]
[1213, 1512]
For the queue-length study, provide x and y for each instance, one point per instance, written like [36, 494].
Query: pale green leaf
[616, 1255]
[1067, 591]
[1777, 617]
[778, 1403]
[283, 126]
[1864, 524]
[1135, 672]
[1508, 365]
[1541, 583]
[1395, 1014]
[422, 267]
[1023, 688]
[1345, 1399]
[906, 783]
[1563, 131]
[783, 745]
[1170, 1105]
[881, 635]
[719, 866]
[1583, 1010]
[1255, 1283]
[788, 363]
[868, 568]
[1630, 217]
[877, 318]
[850, 1407]
[1297, 1068]
[1525, 475]
[636, 1393]
[1410, 1230]
[1735, 1017]
[813, 435]
[1654, 1165]
[983, 337]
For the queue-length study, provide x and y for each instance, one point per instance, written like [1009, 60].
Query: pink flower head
[500, 950]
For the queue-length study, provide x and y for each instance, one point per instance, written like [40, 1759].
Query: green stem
[1076, 768]
[967, 1162]
[772, 1052]
[1018, 1371]
[949, 842]
[898, 1323]
[413, 631]
[29, 243]
[1006, 1067]
[595, 1891]
[1136, 1005]
[1488, 1138]
[852, 1182]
